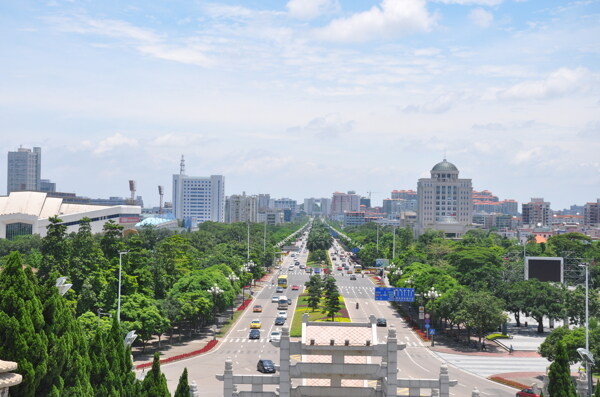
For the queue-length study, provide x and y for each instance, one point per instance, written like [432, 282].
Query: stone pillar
[228, 378]
[337, 358]
[194, 389]
[444, 381]
[582, 384]
[285, 382]
[475, 392]
[391, 383]
[435, 393]
[8, 379]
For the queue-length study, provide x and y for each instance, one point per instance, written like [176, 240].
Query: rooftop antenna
[161, 193]
[132, 190]
[182, 166]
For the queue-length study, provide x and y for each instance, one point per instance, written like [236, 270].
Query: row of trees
[61, 343]
[480, 277]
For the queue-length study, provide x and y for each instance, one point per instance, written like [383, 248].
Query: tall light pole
[587, 330]
[233, 278]
[378, 240]
[121, 253]
[215, 290]
[394, 243]
[248, 240]
[433, 295]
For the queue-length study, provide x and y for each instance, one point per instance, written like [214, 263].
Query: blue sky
[305, 97]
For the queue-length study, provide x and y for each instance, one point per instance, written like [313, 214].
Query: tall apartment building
[404, 195]
[537, 212]
[198, 199]
[264, 202]
[485, 201]
[445, 201]
[317, 206]
[591, 213]
[24, 170]
[241, 208]
[344, 202]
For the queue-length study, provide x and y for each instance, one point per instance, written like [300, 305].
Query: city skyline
[305, 98]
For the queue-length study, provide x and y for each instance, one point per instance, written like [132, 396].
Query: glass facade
[18, 229]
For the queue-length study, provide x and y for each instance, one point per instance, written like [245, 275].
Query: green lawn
[302, 307]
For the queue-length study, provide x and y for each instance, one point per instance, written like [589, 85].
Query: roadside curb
[209, 346]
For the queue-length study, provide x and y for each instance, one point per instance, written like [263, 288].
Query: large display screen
[544, 268]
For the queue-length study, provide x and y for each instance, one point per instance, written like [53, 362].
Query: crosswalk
[488, 365]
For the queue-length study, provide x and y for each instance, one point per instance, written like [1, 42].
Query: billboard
[544, 268]
[382, 262]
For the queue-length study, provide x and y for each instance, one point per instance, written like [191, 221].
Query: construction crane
[369, 193]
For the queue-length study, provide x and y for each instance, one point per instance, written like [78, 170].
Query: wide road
[415, 361]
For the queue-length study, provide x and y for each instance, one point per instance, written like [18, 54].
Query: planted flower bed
[205, 349]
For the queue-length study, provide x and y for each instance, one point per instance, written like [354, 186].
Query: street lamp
[587, 331]
[433, 295]
[62, 287]
[215, 290]
[129, 338]
[232, 278]
[121, 253]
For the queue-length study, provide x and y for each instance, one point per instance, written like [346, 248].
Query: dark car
[280, 321]
[265, 366]
[527, 393]
[254, 334]
[353, 277]
[381, 322]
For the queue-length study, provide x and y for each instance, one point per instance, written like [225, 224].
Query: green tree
[542, 299]
[482, 312]
[56, 249]
[141, 313]
[183, 389]
[477, 267]
[22, 336]
[314, 287]
[559, 374]
[331, 305]
[111, 241]
[155, 383]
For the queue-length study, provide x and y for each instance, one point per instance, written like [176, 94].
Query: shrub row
[205, 349]
[244, 305]
[508, 382]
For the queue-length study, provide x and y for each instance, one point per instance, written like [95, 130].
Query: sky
[302, 98]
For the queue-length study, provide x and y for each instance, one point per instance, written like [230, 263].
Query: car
[275, 299]
[349, 271]
[297, 263]
[340, 268]
[265, 366]
[254, 334]
[291, 267]
[527, 393]
[257, 309]
[381, 322]
[295, 287]
[282, 313]
[279, 290]
[275, 336]
[255, 324]
[289, 301]
[317, 270]
[353, 277]
[279, 320]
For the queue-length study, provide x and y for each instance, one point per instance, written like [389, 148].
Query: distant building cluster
[442, 202]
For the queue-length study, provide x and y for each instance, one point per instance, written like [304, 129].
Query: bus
[357, 268]
[282, 281]
[282, 303]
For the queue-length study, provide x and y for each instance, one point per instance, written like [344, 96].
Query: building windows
[18, 229]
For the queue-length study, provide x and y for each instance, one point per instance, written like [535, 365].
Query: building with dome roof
[445, 201]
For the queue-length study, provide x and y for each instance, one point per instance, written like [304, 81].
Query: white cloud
[441, 104]
[309, 9]
[392, 18]
[471, 2]
[110, 143]
[427, 52]
[328, 126]
[559, 83]
[481, 17]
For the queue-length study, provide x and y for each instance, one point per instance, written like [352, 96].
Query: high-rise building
[198, 199]
[344, 202]
[591, 213]
[445, 201]
[24, 170]
[264, 201]
[241, 208]
[537, 212]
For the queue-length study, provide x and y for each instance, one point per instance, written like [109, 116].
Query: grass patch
[302, 307]
[497, 336]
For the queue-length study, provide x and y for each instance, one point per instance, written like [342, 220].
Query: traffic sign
[431, 331]
[427, 326]
[395, 294]
[421, 316]
[426, 320]
[426, 315]
[421, 309]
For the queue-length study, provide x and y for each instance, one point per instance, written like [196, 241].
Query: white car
[275, 336]
[275, 299]
[282, 313]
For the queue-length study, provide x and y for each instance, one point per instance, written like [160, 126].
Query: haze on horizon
[304, 98]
